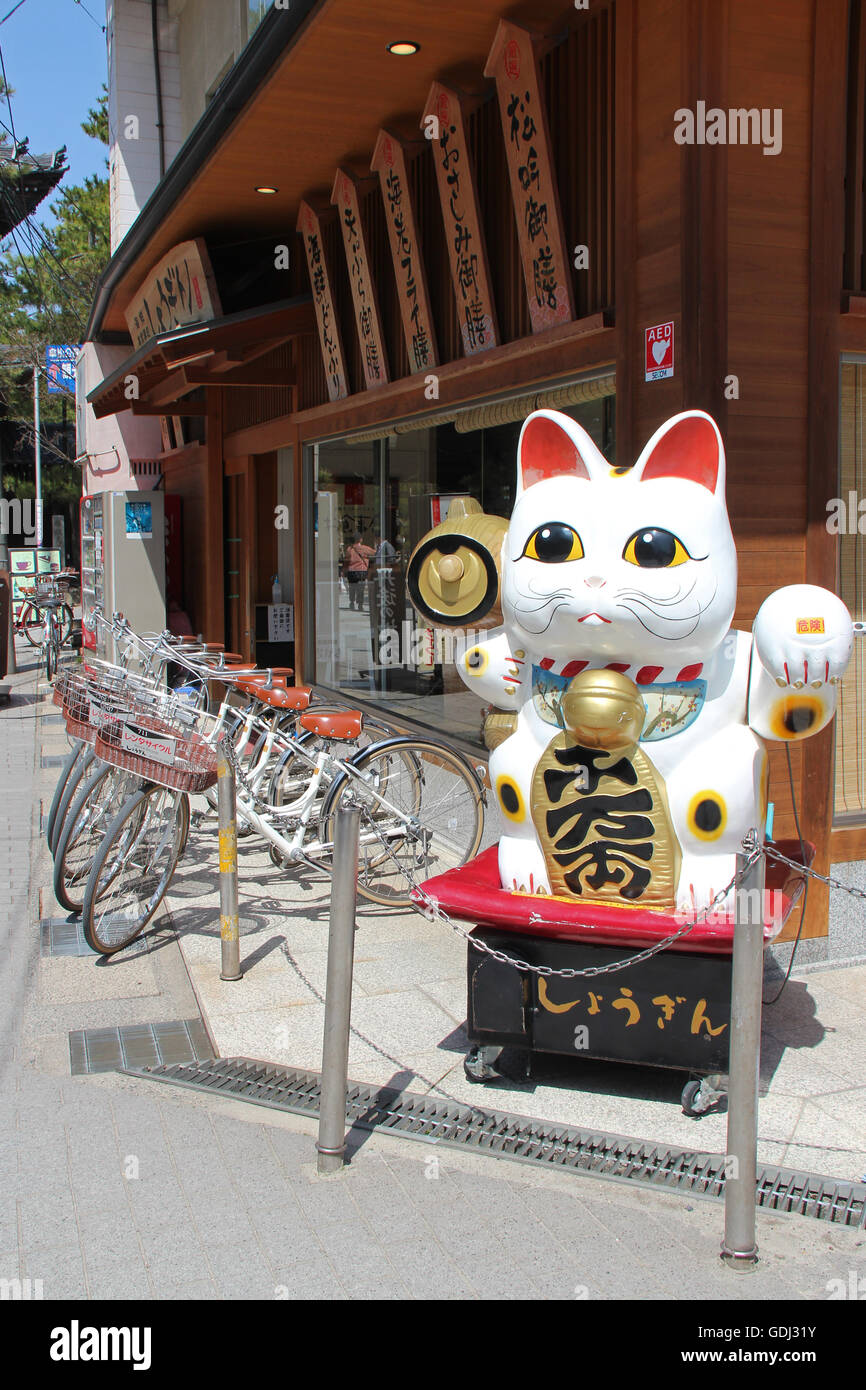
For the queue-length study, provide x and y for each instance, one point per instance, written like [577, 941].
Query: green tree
[48, 278]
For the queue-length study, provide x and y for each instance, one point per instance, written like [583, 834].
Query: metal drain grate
[63, 936]
[514, 1136]
[138, 1047]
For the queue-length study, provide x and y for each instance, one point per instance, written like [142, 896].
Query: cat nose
[595, 581]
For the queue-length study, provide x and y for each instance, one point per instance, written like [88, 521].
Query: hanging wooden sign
[323, 302]
[389, 161]
[369, 324]
[546, 265]
[181, 289]
[444, 125]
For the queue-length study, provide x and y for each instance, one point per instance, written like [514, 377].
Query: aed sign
[659, 351]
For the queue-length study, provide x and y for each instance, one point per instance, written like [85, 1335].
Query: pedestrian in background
[358, 557]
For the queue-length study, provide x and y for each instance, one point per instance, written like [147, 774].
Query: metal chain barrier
[434, 913]
[753, 851]
[772, 853]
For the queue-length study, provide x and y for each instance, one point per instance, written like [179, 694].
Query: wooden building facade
[316, 389]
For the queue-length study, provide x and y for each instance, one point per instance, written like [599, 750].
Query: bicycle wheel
[422, 813]
[133, 867]
[80, 770]
[86, 825]
[68, 764]
[65, 619]
[32, 623]
[51, 652]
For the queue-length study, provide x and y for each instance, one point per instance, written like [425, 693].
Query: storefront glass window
[372, 503]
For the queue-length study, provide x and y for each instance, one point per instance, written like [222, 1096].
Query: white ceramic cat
[634, 569]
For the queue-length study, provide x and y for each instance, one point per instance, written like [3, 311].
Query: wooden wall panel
[770, 65]
[265, 535]
[657, 250]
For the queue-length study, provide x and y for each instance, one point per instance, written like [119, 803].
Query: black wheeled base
[673, 1010]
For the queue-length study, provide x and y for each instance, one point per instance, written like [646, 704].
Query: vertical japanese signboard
[323, 301]
[178, 291]
[369, 324]
[546, 265]
[466, 251]
[389, 161]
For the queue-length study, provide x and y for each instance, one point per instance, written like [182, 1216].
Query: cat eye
[553, 544]
[655, 549]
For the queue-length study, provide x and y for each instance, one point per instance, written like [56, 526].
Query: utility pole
[38, 455]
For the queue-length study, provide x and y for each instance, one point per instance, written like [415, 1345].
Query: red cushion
[474, 894]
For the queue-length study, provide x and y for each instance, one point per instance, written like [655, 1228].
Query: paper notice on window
[281, 622]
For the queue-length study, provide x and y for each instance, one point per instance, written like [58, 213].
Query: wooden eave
[223, 352]
[322, 106]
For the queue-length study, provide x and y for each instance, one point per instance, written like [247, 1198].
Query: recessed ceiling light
[265, 188]
[403, 48]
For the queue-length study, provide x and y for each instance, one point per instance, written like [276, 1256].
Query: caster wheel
[478, 1065]
[688, 1098]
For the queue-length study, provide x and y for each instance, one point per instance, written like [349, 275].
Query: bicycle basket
[61, 685]
[46, 587]
[89, 703]
[157, 750]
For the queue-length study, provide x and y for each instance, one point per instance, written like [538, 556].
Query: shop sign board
[330, 340]
[455, 177]
[389, 161]
[659, 351]
[180, 290]
[60, 361]
[546, 263]
[369, 324]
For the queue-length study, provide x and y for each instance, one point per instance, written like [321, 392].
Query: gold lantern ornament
[454, 571]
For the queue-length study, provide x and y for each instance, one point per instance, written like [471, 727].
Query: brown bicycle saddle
[344, 726]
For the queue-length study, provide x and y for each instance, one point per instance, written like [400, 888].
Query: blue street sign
[60, 365]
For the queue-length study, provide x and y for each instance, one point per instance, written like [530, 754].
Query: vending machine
[122, 563]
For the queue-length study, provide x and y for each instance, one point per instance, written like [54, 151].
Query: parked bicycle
[30, 621]
[295, 766]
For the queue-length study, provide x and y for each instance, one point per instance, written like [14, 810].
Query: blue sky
[56, 64]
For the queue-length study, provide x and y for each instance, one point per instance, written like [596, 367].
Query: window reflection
[373, 502]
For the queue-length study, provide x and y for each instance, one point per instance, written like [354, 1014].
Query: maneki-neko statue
[628, 739]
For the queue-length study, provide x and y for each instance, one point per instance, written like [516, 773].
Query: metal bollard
[739, 1246]
[331, 1144]
[230, 945]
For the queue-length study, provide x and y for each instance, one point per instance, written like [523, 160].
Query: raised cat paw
[803, 636]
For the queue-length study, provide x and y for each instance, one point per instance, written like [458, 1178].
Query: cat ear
[686, 446]
[553, 445]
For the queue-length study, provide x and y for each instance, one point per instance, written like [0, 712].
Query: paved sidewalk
[118, 1188]
[409, 1011]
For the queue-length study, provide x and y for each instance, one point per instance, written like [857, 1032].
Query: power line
[83, 7]
[11, 12]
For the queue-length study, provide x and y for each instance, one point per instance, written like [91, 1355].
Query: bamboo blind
[850, 801]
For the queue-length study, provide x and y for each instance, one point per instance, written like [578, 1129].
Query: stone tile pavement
[115, 1188]
[409, 1010]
